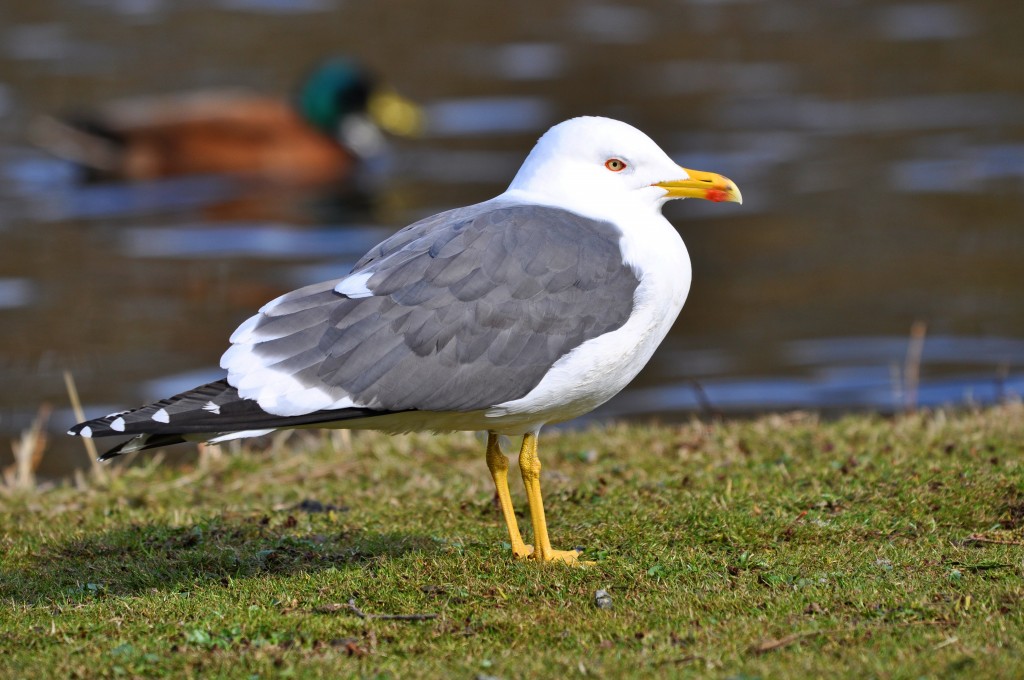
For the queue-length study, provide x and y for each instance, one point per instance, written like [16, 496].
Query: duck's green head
[339, 88]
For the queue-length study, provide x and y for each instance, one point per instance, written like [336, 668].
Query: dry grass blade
[771, 645]
[351, 607]
[90, 445]
[981, 538]
[28, 452]
[912, 365]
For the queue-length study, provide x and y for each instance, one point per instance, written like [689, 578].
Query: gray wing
[458, 312]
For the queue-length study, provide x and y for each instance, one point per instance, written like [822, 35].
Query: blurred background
[876, 263]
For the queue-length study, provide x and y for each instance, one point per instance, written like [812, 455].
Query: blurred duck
[337, 121]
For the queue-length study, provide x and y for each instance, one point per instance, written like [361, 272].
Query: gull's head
[590, 164]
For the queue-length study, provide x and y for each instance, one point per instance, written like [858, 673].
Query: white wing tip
[244, 332]
[238, 435]
[354, 285]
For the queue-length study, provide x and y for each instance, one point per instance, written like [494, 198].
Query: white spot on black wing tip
[117, 425]
[161, 416]
[211, 407]
[85, 431]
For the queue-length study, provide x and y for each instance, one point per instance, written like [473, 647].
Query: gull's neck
[620, 209]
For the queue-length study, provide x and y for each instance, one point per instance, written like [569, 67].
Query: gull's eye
[615, 164]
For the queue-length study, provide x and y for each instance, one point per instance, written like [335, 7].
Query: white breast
[598, 369]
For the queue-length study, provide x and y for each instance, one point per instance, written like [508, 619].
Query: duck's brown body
[233, 132]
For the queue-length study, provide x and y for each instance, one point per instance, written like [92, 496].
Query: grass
[777, 548]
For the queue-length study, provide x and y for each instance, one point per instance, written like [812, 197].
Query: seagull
[534, 307]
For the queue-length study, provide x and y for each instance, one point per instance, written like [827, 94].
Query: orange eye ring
[615, 164]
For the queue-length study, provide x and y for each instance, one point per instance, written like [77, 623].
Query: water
[879, 147]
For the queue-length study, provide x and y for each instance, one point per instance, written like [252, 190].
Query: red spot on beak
[716, 195]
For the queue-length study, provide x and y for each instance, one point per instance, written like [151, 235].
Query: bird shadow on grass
[155, 556]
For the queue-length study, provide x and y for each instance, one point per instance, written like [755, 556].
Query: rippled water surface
[879, 147]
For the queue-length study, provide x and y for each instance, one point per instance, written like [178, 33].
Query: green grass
[777, 548]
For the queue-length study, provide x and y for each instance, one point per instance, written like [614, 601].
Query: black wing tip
[80, 430]
[98, 427]
[127, 446]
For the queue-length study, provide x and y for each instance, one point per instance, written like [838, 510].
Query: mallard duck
[336, 120]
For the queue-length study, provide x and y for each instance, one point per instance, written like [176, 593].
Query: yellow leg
[529, 465]
[497, 463]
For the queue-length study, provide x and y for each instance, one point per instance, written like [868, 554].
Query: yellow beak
[706, 185]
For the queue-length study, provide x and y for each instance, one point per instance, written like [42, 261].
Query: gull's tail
[213, 412]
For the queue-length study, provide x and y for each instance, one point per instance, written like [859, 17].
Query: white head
[595, 165]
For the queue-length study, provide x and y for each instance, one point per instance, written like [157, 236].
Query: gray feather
[470, 308]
